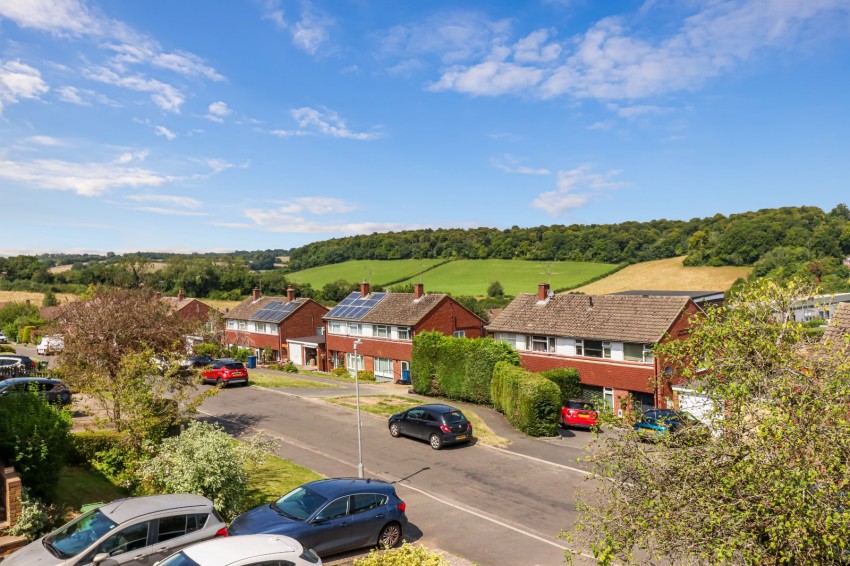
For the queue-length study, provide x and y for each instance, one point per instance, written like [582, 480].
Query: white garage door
[295, 354]
[695, 404]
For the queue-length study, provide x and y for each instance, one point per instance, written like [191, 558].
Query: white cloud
[489, 78]
[44, 140]
[163, 95]
[637, 110]
[325, 205]
[325, 122]
[187, 64]
[510, 164]
[601, 125]
[85, 179]
[185, 202]
[217, 111]
[576, 188]
[130, 156]
[55, 16]
[274, 221]
[309, 32]
[534, 49]
[165, 132]
[19, 81]
[84, 97]
[71, 95]
[168, 211]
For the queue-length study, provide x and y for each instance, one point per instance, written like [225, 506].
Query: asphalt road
[488, 505]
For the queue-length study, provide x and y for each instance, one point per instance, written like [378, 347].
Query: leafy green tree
[335, 291]
[49, 299]
[495, 290]
[770, 485]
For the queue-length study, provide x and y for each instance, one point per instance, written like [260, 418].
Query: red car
[578, 413]
[226, 371]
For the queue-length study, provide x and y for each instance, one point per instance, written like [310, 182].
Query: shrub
[290, 367]
[49, 299]
[364, 375]
[25, 334]
[567, 380]
[86, 445]
[207, 349]
[423, 365]
[341, 372]
[238, 353]
[405, 555]
[204, 459]
[5, 348]
[36, 518]
[35, 439]
[529, 401]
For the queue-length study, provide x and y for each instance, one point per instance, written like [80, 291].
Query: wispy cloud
[511, 164]
[164, 132]
[19, 81]
[174, 200]
[86, 179]
[130, 156]
[44, 140]
[217, 111]
[169, 211]
[575, 188]
[83, 97]
[163, 95]
[324, 122]
[309, 29]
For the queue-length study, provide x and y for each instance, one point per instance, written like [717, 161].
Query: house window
[243, 325]
[231, 324]
[542, 344]
[459, 333]
[260, 327]
[403, 333]
[384, 367]
[516, 341]
[335, 327]
[608, 395]
[592, 348]
[355, 329]
[637, 352]
[382, 331]
[353, 363]
[606, 350]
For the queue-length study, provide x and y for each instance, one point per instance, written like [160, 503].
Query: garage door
[295, 354]
[695, 404]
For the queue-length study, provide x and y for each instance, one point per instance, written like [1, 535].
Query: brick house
[607, 338]
[267, 322]
[385, 324]
[190, 309]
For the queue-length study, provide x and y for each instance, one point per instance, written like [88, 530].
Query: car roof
[122, 510]
[334, 487]
[14, 380]
[437, 408]
[227, 550]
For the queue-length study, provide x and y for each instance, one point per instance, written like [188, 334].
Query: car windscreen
[237, 365]
[79, 534]
[453, 417]
[299, 504]
[179, 559]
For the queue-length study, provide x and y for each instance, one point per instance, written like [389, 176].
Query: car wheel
[436, 441]
[394, 430]
[219, 383]
[390, 535]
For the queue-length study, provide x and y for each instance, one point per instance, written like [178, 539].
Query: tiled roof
[627, 318]
[402, 309]
[249, 307]
[176, 304]
[839, 325]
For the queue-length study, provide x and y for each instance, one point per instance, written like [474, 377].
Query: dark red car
[578, 413]
[226, 371]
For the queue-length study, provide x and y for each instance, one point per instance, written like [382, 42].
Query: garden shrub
[25, 334]
[290, 367]
[529, 401]
[423, 365]
[405, 555]
[35, 439]
[206, 460]
[5, 348]
[567, 380]
[36, 519]
[207, 349]
[86, 444]
[238, 353]
[364, 375]
[341, 372]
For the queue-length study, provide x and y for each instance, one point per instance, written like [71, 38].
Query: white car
[50, 345]
[245, 550]
[3, 339]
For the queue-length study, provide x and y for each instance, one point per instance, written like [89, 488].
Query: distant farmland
[473, 276]
[377, 272]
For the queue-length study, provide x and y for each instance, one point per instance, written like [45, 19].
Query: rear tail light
[468, 426]
[222, 532]
[445, 429]
[402, 506]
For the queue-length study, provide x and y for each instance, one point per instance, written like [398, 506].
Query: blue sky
[198, 125]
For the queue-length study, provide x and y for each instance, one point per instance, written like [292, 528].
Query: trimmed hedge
[457, 368]
[86, 445]
[567, 380]
[528, 400]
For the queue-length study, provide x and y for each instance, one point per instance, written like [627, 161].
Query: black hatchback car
[438, 424]
[51, 389]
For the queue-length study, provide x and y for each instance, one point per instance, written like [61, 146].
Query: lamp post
[357, 395]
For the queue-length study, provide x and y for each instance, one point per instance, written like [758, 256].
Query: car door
[175, 532]
[412, 423]
[330, 530]
[127, 546]
[368, 516]
[430, 425]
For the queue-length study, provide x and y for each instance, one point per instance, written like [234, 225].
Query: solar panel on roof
[274, 311]
[354, 306]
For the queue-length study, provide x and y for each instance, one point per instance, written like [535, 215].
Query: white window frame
[648, 354]
[354, 362]
[384, 367]
[260, 327]
[606, 350]
[547, 341]
[406, 331]
[459, 334]
[335, 327]
[231, 324]
[382, 331]
[579, 347]
[242, 324]
[355, 329]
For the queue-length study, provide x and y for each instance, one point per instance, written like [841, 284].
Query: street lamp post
[357, 395]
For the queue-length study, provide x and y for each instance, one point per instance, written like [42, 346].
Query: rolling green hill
[473, 276]
[376, 271]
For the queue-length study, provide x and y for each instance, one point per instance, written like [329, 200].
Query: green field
[473, 276]
[355, 271]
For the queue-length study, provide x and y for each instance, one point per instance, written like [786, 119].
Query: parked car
[248, 550]
[29, 363]
[3, 339]
[198, 360]
[127, 532]
[53, 390]
[578, 413]
[656, 423]
[10, 366]
[226, 371]
[438, 424]
[50, 345]
[331, 515]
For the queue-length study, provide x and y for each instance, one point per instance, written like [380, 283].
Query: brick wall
[372, 348]
[449, 316]
[13, 495]
[303, 322]
[195, 311]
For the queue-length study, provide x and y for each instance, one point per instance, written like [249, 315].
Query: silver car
[136, 531]
[246, 550]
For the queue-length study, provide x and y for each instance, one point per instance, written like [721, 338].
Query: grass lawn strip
[285, 380]
[78, 486]
[274, 478]
[386, 405]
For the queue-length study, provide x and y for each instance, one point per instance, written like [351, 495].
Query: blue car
[331, 516]
[656, 423]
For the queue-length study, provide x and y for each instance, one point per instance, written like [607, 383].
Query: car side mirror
[318, 520]
[99, 557]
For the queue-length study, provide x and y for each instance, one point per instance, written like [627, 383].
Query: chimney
[418, 290]
[364, 289]
[542, 291]
[256, 294]
[180, 295]
[290, 294]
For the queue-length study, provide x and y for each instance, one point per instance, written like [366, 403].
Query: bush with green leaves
[85, 445]
[206, 460]
[364, 375]
[7, 349]
[567, 380]
[16, 315]
[528, 400]
[36, 519]
[207, 349]
[35, 439]
[340, 372]
[405, 555]
[290, 367]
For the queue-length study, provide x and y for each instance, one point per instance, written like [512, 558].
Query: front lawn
[78, 486]
[285, 380]
[275, 478]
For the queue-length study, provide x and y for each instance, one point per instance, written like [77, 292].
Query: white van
[50, 345]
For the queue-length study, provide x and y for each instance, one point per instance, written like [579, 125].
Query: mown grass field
[382, 272]
[33, 297]
[473, 276]
[667, 275]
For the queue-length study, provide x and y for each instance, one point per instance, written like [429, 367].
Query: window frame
[355, 329]
[381, 371]
[547, 342]
[459, 334]
[382, 331]
[408, 333]
[335, 327]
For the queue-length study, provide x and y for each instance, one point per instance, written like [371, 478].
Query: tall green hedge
[528, 400]
[567, 380]
[457, 368]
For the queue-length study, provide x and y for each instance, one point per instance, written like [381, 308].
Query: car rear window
[579, 405]
[235, 365]
[454, 417]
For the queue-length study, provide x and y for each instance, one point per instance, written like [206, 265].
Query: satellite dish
[550, 293]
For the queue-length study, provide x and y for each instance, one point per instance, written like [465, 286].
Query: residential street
[491, 506]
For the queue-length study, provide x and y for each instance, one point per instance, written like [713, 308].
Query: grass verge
[284, 380]
[386, 405]
[78, 486]
[275, 478]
